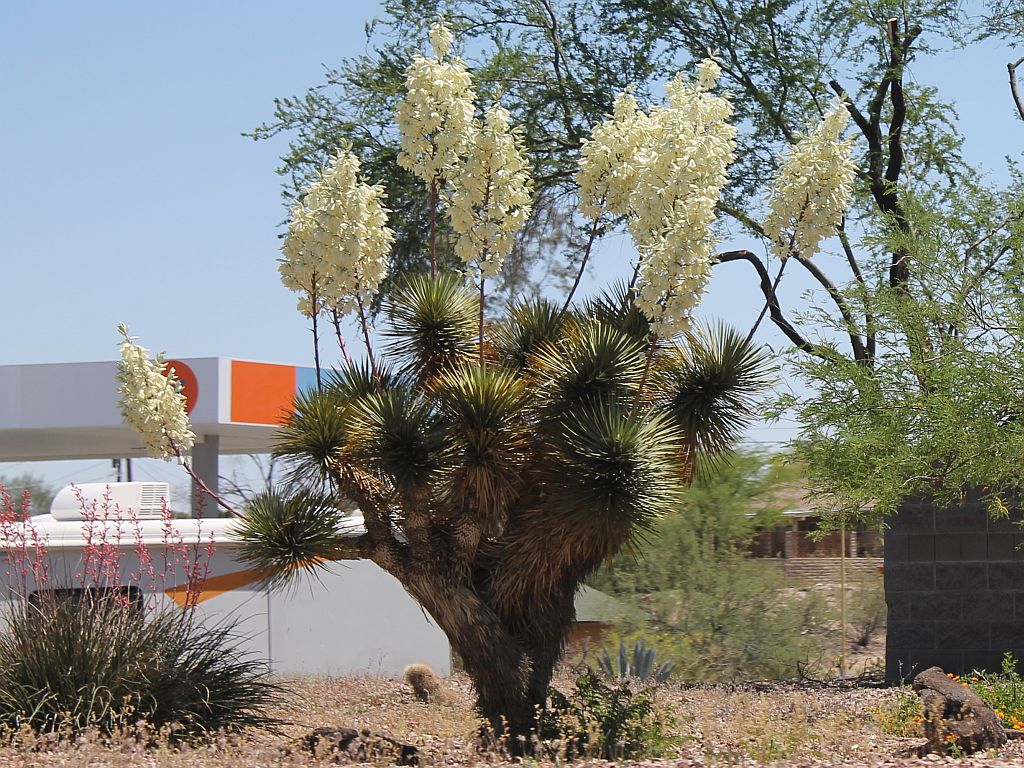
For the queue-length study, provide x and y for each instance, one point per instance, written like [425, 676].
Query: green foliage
[706, 399]
[903, 718]
[615, 307]
[39, 493]
[285, 533]
[715, 612]
[482, 410]
[937, 411]
[636, 666]
[530, 326]
[595, 364]
[316, 429]
[1004, 691]
[67, 665]
[618, 469]
[432, 324]
[715, 522]
[607, 721]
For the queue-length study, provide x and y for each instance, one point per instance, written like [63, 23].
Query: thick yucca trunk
[510, 658]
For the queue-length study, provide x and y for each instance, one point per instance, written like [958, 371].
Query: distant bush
[715, 612]
[735, 621]
[95, 654]
[867, 610]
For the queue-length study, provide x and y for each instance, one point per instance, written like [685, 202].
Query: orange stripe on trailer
[215, 586]
[261, 393]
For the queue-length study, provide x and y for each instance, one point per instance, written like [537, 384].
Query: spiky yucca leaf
[313, 434]
[283, 534]
[617, 472]
[616, 306]
[595, 363]
[359, 380]
[487, 436]
[433, 324]
[529, 325]
[399, 433]
[710, 383]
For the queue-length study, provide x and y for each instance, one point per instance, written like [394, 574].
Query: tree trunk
[509, 659]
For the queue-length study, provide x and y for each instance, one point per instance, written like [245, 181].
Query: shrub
[736, 620]
[867, 610]
[1004, 691]
[717, 613]
[608, 721]
[903, 717]
[90, 652]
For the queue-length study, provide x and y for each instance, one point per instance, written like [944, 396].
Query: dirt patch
[746, 724]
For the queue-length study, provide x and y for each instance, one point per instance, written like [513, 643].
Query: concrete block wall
[954, 587]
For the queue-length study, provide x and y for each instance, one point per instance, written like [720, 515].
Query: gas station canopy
[70, 410]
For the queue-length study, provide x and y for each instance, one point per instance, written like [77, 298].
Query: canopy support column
[206, 465]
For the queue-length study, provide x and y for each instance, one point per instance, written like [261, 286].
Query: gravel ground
[744, 725]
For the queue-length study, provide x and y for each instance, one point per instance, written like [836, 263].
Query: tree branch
[869, 319]
[859, 352]
[558, 57]
[1012, 68]
[775, 312]
[742, 217]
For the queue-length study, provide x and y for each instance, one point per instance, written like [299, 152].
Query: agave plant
[493, 478]
[638, 665]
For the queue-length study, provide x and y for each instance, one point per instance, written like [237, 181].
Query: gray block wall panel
[954, 586]
[973, 546]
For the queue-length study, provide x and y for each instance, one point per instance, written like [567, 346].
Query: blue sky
[127, 192]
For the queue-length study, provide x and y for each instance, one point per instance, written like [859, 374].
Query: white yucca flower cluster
[491, 199]
[151, 402]
[436, 116]
[665, 171]
[613, 158]
[478, 168]
[338, 241]
[813, 187]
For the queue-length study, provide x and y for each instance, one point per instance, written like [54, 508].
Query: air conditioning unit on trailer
[141, 501]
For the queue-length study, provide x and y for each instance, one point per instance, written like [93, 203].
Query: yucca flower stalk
[153, 404]
[813, 187]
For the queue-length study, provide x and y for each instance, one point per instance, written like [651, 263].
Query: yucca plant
[497, 464]
[492, 485]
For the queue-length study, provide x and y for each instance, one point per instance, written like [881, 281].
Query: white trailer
[352, 618]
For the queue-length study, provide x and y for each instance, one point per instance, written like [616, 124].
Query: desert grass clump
[424, 682]
[95, 662]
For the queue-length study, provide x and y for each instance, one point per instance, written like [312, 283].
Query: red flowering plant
[88, 642]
